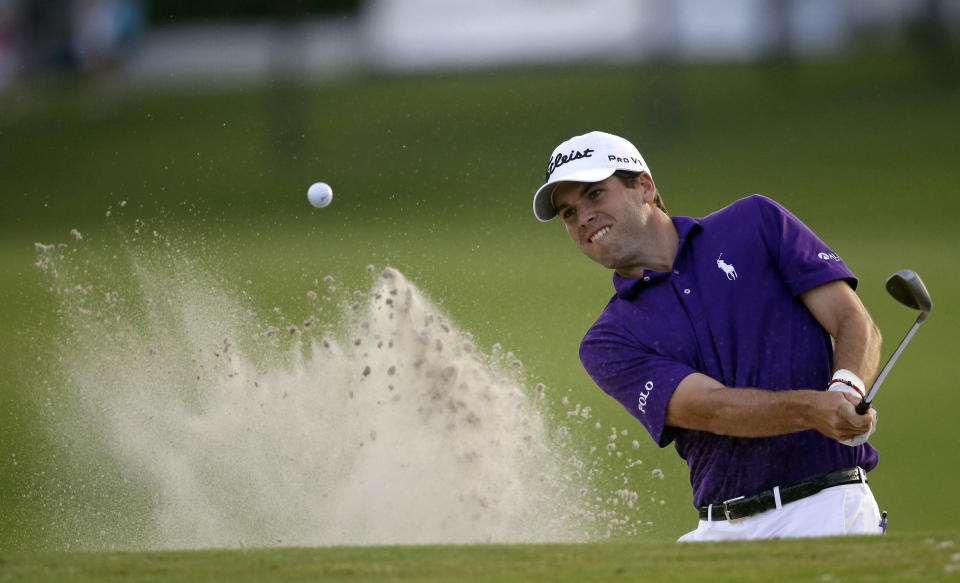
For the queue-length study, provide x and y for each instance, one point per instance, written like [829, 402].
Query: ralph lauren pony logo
[561, 159]
[727, 268]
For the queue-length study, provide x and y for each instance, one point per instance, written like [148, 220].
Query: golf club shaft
[865, 403]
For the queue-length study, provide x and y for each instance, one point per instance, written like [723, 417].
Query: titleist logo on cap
[561, 159]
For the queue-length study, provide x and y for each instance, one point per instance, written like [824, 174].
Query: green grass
[915, 557]
[434, 176]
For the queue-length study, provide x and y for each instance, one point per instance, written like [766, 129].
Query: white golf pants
[840, 510]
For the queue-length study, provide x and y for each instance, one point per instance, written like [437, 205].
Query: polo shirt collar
[629, 287]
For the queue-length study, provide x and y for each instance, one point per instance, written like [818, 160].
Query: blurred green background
[434, 175]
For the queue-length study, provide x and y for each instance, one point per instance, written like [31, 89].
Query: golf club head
[907, 288]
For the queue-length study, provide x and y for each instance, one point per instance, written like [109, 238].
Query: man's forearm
[702, 403]
[856, 338]
[857, 348]
[748, 412]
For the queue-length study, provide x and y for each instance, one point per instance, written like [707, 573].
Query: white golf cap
[588, 158]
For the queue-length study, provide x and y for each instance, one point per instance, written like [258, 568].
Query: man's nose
[586, 213]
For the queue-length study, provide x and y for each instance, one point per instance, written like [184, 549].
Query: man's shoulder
[752, 205]
[612, 321]
[747, 219]
[610, 315]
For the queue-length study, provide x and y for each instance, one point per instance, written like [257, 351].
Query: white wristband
[848, 378]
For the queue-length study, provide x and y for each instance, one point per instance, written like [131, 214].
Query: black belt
[745, 506]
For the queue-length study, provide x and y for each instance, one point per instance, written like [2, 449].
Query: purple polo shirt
[729, 309]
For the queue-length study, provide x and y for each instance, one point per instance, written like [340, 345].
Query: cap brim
[543, 199]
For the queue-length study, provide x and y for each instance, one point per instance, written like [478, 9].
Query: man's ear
[646, 187]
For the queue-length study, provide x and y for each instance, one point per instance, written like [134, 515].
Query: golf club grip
[863, 406]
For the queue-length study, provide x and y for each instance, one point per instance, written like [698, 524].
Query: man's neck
[662, 252]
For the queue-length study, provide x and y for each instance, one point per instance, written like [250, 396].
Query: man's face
[607, 220]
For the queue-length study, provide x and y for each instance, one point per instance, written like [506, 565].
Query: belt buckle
[726, 510]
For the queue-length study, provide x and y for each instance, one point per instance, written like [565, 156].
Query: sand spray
[369, 418]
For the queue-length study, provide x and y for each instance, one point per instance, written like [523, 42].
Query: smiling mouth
[599, 235]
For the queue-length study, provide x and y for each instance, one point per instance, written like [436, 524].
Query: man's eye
[566, 213]
[594, 193]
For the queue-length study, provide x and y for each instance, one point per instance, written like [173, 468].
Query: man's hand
[840, 419]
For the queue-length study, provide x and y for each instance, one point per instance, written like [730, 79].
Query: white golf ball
[320, 194]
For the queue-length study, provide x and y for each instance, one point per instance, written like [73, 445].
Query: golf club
[907, 288]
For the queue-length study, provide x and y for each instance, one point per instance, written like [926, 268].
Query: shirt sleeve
[804, 260]
[641, 380]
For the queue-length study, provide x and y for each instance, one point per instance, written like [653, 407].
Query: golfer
[738, 337]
